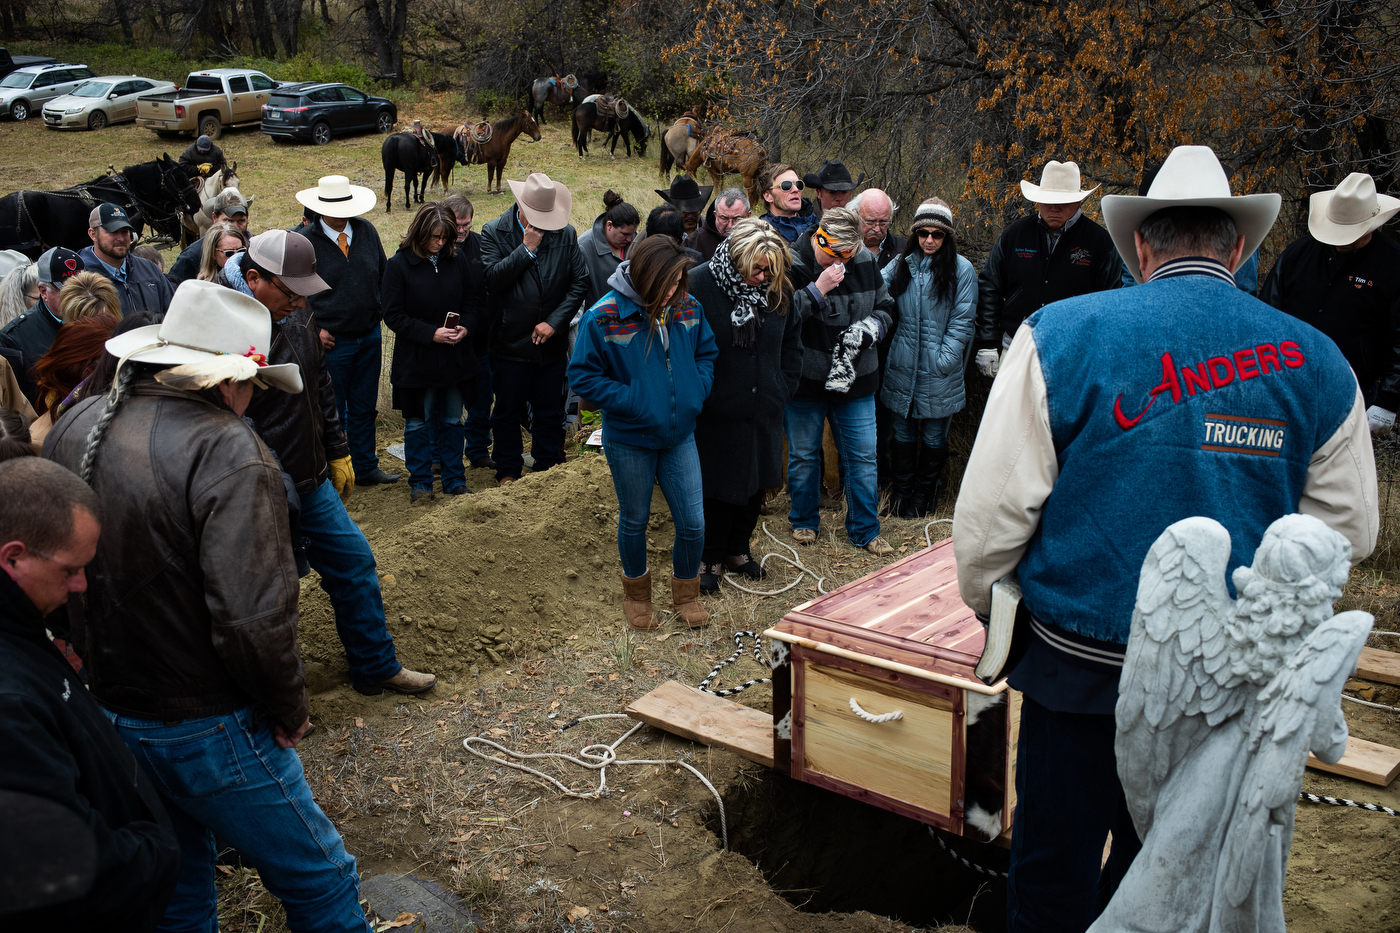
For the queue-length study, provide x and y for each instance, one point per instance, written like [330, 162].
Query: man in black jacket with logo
[537, 279]
[1054, 254]
[1344, 279]
[29, 336]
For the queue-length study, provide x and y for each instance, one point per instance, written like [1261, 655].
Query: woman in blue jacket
[646, 356]
[936, 291]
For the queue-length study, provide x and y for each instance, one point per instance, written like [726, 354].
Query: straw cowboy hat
[1059, 184]
[1191, 177]
[546, 204]
[210, 334]
[334, 196]
[1349, 211]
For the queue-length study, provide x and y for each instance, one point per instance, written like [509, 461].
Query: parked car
[9, 63]
[24, 89]
[316, 111]
[209, 101]
[104, 100]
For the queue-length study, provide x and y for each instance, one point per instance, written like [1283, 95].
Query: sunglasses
[824, 243]
[925, 234]
[789, 185]
[231, 252]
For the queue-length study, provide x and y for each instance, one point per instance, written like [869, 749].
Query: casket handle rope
[871, 717]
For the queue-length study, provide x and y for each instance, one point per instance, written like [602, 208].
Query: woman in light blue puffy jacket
[936, 291]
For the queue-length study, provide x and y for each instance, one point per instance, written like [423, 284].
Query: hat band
[348, 197]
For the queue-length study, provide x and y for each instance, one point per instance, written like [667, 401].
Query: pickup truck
[209, 101]
[9, 63]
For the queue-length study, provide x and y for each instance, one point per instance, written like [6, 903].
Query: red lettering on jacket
[1245, 364]
[1196, 379]
[1292, 354]
[1268, 354]
[1217, 378]
[1169, 382]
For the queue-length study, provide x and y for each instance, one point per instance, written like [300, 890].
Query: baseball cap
[203, 144]
[229, 201]
[290, 257]
[58, 264]
[110, 217]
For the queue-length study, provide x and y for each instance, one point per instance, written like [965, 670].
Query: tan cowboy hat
[1059, 184]
[546, 204]
[210, 331]
[1191, 177]
[1349, 211]
[334, 196]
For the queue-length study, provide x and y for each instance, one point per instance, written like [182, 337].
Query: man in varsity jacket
[1115, 415]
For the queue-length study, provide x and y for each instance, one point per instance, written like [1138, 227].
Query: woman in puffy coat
[936, 291]
[434, 367]
[646, 356]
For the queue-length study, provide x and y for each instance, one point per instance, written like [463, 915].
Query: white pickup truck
[209, 101]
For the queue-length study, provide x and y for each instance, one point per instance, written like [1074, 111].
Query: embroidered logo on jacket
[1357, 281]
[1236, 434]
[1215, 373]
[1081, 257]
[1025, 252]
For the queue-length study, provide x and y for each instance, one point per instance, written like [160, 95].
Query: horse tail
[667, 160]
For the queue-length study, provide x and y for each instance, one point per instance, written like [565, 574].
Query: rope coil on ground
[1343, 802]
[738, 650]
[794, 560]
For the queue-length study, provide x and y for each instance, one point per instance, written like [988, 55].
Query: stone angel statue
[1219, 703]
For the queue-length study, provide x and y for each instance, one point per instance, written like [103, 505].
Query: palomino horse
[197, 224]
[724, 153]
[679, 142]
[552, 90]
[494, 152]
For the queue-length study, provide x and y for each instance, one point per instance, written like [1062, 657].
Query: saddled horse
[450, 154]
[152, 192]
[597, 112]
[679, 142]
[634, 126]
[494, 153]
[726, 153]
[406, 153]
[551, 90]
[197, 224]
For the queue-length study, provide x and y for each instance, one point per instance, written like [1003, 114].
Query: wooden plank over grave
[706, 718]
[1364, 761]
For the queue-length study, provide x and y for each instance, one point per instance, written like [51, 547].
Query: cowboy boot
[685, 601]
[927, 481]
[902, 459]
[636, 602]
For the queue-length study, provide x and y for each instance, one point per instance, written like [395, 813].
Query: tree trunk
[261, 25]
[288, 25]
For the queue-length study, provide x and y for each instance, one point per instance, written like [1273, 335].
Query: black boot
[927, 481]
[901, 477]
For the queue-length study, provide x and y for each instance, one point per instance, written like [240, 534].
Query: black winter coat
[739, 433]
[1022, 275]
[417, 299]
[526, 291]
[56, 744]
[351, 307]
[25, 339]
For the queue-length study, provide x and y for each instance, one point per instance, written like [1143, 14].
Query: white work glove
[987, 362]
[1379, 419]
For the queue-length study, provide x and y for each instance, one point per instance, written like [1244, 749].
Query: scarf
[748, 300]
[233, 274]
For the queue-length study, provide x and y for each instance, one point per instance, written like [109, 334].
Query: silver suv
[26, 90]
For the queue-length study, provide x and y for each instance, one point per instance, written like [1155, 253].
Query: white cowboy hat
[334, 196]
[213, 330]
[10, 260]
[1349, 211]
[1059, 184]
[546, 204]
[1191, 177]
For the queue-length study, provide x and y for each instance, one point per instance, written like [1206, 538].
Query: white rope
[871, 717]
[794, 560]
[928, 542]
[597, 757]
[1393, 709]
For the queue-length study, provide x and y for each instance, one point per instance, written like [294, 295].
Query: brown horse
[724, 153]
[495, 151]
[679, 142]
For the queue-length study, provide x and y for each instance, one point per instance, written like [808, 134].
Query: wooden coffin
[897, 640]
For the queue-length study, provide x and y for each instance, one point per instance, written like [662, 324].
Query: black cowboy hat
[685, 194]
[833, 176]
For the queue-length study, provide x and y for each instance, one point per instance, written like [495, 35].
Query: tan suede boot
[685, 600]
[636, 602]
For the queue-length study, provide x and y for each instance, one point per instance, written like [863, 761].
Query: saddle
[478, 133]
[691, 124]
[611, 105]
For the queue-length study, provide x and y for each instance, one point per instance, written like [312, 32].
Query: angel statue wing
[1298, 712]
[1171, 690]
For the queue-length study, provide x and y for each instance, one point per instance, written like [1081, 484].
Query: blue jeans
[853, 425]
[932, 431]
[338, 551]
[1068, 799]
[440, 436]
[477, 433]
[354, 364]
[635, 471]
[541, 388]
[226, 775]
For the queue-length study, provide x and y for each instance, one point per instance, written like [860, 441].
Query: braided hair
[126, 375]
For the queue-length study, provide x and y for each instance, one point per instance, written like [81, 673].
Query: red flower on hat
[256, 357]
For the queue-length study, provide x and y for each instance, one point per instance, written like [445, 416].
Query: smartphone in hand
[453, 320]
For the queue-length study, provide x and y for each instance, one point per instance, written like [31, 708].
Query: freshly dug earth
[511, 596]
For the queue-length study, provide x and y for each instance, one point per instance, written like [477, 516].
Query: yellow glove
[204, 167]
[343, 477]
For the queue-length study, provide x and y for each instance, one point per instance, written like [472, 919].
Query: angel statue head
[1299, 571]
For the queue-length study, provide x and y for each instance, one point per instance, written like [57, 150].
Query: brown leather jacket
[192, 598]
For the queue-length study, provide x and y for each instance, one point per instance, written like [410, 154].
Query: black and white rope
[738, 650]
[1343, 802]
[965, 862]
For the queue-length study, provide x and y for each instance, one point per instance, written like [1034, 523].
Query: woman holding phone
[430, 296]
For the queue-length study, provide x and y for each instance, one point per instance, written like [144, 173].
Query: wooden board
[706, 718]
[1382, 666]
[1364, 761]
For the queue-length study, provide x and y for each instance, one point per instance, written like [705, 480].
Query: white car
[25, 90]
[100, 101]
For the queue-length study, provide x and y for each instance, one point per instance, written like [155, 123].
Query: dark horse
[586, 120]
[449, 156]
[406, 153]
[551, 90]
[631, 127]
[495, 152]
[151, 192]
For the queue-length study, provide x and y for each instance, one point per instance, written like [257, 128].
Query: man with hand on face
[789, 212]
[140, 284]
[1054, 254]
[728, 209]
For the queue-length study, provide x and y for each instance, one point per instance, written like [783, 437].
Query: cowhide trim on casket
[985, 791]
